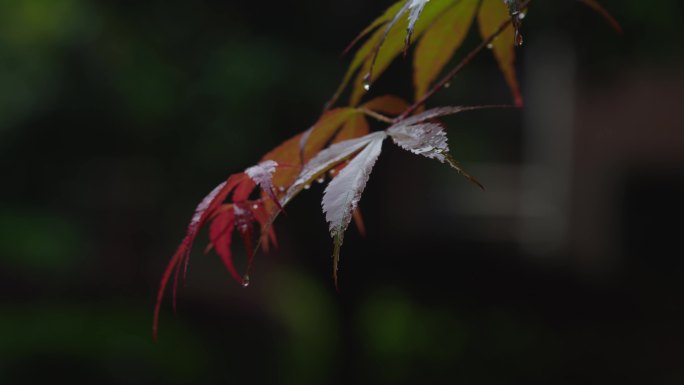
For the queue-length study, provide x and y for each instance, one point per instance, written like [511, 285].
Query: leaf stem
[459, 67]
[375, 115]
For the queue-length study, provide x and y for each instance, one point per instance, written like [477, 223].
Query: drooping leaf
[244, 190]
[439, 43]
[205, 209]
[491, 15]
[343, 193]
[221, 237]
[244, 224]
[262, 215]
[327, 159]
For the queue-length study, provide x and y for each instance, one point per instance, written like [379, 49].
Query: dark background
[117, 117]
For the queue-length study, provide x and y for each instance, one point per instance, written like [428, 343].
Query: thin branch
[375, 115]
[456, 70]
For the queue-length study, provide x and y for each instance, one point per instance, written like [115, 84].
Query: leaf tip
[336, 259]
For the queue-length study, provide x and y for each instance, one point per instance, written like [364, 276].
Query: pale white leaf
[415, 9]
[327, 159]
[262, 174]
[435, 113]
[343, 193]
[427, 139]
[203, 206]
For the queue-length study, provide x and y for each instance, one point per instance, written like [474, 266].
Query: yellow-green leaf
[394, 46]
[440, 42]
[366, 49]
[491, 15]
[390, 49]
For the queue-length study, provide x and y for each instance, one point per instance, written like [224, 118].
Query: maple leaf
[385, 44]
[324, 161]
[262, 175]
[491, 15]
[240, 215]
[443, 26]
[415, 9]
[318, 135]
[428, 140]
[342, 195]
[440, 42]
[179, 261]
[221, 238]
[339, 143]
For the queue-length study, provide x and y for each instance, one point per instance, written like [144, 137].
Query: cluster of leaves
[340, 146]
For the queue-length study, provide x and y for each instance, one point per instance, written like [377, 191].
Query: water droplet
[255, 206]
[447, 84]
[307, 186]
[490, 46]
[333, 172]
[320, 180]
[245, 280]
[521, 15]
[518, 38]
[367, 82]
[281, 189]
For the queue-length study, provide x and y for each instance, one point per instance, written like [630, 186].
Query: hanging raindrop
[367, 82]
[245, 280]
[518, 38]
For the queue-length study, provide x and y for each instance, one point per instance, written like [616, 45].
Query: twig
[375, 115]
